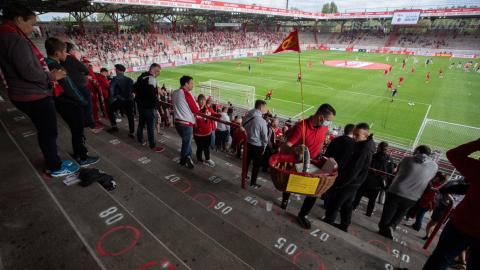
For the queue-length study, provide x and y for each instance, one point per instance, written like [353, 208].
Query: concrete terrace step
[252, 198]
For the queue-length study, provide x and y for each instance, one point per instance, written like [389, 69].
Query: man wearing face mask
[351, 177]
[316, 126]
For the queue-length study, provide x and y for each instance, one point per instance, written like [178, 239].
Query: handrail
[441, 221]
[228, 123]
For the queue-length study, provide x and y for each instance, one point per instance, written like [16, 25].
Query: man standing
[270, 150]
[269, 96]
[223, 130]
[413, 174]
[121, 90]
[146, 97]
[340, 150]
[394, 93]
[316, 126]
[351, 177]
[184, 106]
[462, 230]
[257, 130]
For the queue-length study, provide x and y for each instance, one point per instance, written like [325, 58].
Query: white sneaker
[189, 163]
[118, 120]
[209, 162]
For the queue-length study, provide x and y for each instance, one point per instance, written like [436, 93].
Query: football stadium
[239, 135]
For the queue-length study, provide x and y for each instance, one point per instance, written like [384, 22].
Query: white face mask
[325, 122]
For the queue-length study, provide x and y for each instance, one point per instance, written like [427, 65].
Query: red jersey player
[310, 64]
[323, 62]
[260, 61]
[400, 81]
[269, 95]
[385, 74]
[413, 71]
[428, 76]
[299, 78]
[390, 69]
[403, 66]
[239, 62]
[345, 63]
[390, 83]
[440, 73]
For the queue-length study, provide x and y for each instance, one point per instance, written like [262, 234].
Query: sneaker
[247, 178]
[304, 221]
[112, 130]
[97, 128]
[284, 204]
[425, 238]
[118, 120]
[158, 149]
[99, 123]
[209, 162]
[459, 265]
[65, 170]
[189, 163]
[408, 225]
[65, 163]
[388, 232]
[338, 226]
[131, 136]
[408, 218]
[144, 143]
[255, 186]
[89, 161]
[76, 157]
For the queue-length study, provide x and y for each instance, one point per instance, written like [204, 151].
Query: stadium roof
[210, 9]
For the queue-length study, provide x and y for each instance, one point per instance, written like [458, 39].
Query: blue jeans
[212, 143]
[146, 116]
[87, 109]
[419, 217]
[43, 116]
[452, 242]
[186, 133]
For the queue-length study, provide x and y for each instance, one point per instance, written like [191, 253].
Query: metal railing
[245, 139]
[444, 217]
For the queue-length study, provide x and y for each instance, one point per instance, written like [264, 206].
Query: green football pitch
[358, 95]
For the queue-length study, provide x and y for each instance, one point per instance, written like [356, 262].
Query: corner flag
[290, 43]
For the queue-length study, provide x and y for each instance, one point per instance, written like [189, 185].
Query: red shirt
[390, 83]
[269, 93]
[203, 127]
[390, 69]
[386, 71]
[401, 78]
[441, 71]
[413, 69]
[299, 76]
[103, 82]
[91, 77]
[428, 75]
[314, 137]
[466, 216]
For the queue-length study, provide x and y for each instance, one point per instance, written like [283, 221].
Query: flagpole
[303, 111]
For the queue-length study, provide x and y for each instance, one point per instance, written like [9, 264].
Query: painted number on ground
[111, 216]
[289, 249]
[173, 178]
[225, 209]
[215, 179]
[144, 160]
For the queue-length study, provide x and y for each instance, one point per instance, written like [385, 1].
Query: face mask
[325, 123]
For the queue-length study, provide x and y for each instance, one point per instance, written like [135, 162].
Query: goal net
[207, 91]
[240, 95]
[443, 136]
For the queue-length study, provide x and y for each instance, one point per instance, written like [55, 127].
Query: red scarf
[73, 55]
[9, 27]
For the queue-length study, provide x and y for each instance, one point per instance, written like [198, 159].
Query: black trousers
[73, 115]
[122, 104]
[266, 157]
[371, 194]
[394, 210]
[42, 114]
[254, 153]
[341, 201]
[327, 196]
[412, 212]
[307, 205]
[203, 146]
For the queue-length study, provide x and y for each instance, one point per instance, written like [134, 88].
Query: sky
[343, 5]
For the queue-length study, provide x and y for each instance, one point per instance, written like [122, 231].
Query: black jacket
[382, 162]
[146, 91]
[71, 93]
[340, 149]
[76, 70]
[356, 170]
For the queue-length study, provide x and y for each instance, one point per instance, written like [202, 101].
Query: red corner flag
[290, 43]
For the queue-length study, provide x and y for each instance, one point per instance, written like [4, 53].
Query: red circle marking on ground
[17, 130]
[164, 265]
[308, 253]
[290, 220]
[426, 253]
[124, 146]
[353, 233]
[356, 64]
[99, 244]
[202, 171]
[137, 154]
[34, 161]
[17, 123]
[189, 185]
[388, 249]
[276, 209]
[272, 192]
[45, 176]
[213, 199]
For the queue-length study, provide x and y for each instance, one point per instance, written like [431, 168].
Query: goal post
[443, 136]
[240, 95]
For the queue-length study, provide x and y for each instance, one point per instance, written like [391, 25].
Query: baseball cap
[120, 67]
[85, 60]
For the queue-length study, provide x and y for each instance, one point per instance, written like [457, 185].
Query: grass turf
[358, 95]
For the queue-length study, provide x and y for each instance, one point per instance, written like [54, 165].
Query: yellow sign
[302, 184]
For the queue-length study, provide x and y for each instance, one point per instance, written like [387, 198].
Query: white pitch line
[364, 94]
